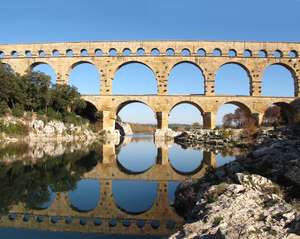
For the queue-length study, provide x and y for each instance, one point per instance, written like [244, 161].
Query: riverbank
[13, 129]
[213, 138]
[256, 196]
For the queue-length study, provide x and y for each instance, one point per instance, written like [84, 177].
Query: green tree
[36, 86]
[65, 99]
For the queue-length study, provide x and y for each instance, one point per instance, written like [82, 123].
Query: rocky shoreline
[35, 131]
[256, 196]
[213, 138]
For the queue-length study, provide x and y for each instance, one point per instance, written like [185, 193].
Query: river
[98, 190]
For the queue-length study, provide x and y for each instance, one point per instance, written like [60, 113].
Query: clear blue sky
[259, 20]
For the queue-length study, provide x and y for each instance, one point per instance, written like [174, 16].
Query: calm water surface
[96, 191]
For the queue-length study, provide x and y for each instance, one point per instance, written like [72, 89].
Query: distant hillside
[150, 128]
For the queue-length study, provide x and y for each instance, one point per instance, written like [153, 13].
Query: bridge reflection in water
[110, 216]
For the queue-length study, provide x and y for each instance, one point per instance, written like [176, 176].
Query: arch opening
[98, 52]
[234, 115]
[232, 53]
[89, 112]
[144, 123]
[140, 52]
[277, 54]
[134, 78]
[247, 53]
[112, 52]
[232, 79]
[69, 53]
[170, 52]
[84, 52]
[28, 53]
[41, 53]
[155, 52]
[85, 77]
[201, 52]
[126, 52]
[277, 114]
[262, 54]
[278, 80]
[55, 53]
[186, 78]
[185, 52]
[14, 54]
[185, 116]
[217, 52]
[293, 54]
[46, 69]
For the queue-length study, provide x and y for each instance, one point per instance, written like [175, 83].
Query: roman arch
[254, 57]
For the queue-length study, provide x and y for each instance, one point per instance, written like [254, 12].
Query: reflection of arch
[134, 190]
[84, 187]
[189, 173]
[283, 83]
[125, 170]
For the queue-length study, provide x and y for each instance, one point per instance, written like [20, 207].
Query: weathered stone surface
[252, 197]
[161, 65]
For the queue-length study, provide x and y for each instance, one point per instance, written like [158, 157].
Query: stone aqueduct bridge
[108, 57]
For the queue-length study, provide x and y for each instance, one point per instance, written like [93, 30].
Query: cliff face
[256, 196]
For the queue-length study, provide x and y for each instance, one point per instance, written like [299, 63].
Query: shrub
[3, 108]
[14, 129]
[217, 221]
[18, 111]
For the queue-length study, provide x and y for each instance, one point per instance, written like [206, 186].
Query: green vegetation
[217, 221]
[33, 92]
[13, 128]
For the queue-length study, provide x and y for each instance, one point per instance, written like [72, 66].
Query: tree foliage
[33, 92]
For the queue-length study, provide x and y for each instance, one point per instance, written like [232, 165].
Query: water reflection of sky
[172, 185]
[185, 160]
[134, 196]
[138, 156]
[221, 160]
[86, 195]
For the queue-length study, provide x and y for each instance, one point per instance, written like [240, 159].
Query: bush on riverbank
[13, 129]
